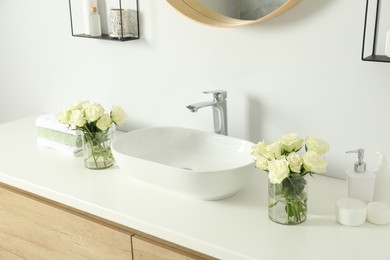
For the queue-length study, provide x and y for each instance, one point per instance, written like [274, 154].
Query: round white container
[378, 213]
[351, 212]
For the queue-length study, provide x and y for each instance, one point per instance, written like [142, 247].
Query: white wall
[298, 72]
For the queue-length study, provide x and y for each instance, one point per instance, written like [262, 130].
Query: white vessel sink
[198, 164]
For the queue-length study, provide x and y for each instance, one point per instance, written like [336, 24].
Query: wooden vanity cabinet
[33, 227]
[145, 249]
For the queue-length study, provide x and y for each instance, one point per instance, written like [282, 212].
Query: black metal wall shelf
[373, 34]
[78, 25]
[106, 37]
[377, 58]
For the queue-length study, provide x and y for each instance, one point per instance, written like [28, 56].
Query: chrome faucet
[219, 110]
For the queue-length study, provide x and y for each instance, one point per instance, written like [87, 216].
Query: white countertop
[235, 228]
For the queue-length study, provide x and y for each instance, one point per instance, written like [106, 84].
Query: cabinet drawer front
[145, 249]
[8, 255]
[32, 229]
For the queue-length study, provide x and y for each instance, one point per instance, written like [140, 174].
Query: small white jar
[351, 212]
[378, 213]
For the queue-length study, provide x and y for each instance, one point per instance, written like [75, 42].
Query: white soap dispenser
[382, 181]
[360, 183]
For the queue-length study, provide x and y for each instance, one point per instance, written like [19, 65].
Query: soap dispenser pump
[360, 182]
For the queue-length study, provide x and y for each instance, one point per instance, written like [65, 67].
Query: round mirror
[231, 13]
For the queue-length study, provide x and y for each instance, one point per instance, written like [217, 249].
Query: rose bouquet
[286, 169]
[90, 118]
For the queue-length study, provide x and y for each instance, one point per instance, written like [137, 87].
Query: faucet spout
[196, 106]
[192, 108]
[219, 107]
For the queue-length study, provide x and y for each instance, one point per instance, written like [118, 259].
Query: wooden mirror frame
[195, 10]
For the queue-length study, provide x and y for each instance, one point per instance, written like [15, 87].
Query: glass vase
[287, 201]
[97, 149]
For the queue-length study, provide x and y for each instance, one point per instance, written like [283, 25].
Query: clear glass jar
[97, 149]
[287, 201]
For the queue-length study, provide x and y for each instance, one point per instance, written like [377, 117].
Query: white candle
[387, 47]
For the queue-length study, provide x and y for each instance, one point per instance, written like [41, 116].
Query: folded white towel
[66, 149]
[50, 121]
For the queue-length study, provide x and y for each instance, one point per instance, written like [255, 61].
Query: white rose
[278, 171]
[262, 163]
[63, 117]
[291, 142]
[317, 145]
[274, 151]
[104, 122]
[84, 104]
[295, 162]
[77, 106]
[269, 151]
[77, 118]
[93, 111]
[259, 149]
[118, 115]
[313, 162]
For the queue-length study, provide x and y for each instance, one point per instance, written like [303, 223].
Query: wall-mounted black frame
[105, 36]
[370, 34]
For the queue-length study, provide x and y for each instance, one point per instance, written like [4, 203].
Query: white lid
[378, 213]
[351, 212]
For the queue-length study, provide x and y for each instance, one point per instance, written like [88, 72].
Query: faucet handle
[218, 95]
